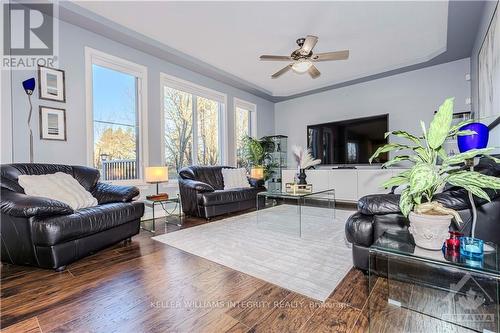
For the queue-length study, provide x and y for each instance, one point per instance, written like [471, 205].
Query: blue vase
[474, 141]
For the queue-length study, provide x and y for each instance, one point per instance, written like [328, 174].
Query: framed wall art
[52, 123]
[51, 84]
[489, 73]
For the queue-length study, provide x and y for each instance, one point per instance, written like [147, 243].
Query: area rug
[268, 246]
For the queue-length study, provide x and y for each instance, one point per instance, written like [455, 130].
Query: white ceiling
[232, 35]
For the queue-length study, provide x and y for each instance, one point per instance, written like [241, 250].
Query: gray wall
[489, 10]
[407, 98]
[73, 39]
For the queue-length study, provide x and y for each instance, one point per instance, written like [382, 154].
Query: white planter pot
[429, 231]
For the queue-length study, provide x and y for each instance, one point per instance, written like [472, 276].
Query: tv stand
[350, 182]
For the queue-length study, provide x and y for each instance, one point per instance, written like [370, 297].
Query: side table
[163, 203]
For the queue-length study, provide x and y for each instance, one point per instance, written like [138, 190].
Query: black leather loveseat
[380, 213]
[48, 233]
[203, 195]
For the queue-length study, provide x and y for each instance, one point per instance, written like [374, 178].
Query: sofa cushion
[221, 197]
[58, 229]
[235, 178]
[58, 186]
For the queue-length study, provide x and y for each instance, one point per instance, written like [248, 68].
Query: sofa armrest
[22, 205]
[107, 193]
[359, 229]
[196, 185]
[374, 204]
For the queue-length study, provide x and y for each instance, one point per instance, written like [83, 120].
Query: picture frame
[488, 64]
[52, 123]
[51, 84]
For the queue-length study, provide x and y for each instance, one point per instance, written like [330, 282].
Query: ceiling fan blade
[281, 71]
[308, 45]
[275, 58]
[313, 71]
[338, 55]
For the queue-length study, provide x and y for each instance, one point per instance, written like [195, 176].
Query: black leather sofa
[380, 213]
[203, 195]
[48, 233]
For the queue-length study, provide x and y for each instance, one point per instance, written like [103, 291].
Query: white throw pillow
[235, 178]
[58, 186]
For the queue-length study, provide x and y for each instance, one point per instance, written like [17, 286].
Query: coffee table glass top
[401, 243]
[285, 195]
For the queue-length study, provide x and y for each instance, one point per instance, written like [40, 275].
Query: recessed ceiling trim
[463, 21]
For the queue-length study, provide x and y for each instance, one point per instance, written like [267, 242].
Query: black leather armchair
[203, 195]
[380, 213]
[50, 234]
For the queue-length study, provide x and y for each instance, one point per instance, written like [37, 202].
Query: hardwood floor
[147, 286]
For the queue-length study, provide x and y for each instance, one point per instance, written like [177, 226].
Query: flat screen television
[350, 141]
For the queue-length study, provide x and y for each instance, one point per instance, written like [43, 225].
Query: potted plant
[432, 169]
[258, 154]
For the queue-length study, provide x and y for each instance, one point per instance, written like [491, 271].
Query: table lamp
[157, 175]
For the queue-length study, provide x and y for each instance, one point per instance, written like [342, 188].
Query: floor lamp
[29, 87]
[478, 140]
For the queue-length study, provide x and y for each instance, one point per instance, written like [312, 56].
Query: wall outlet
[467, 77]
[468, 101]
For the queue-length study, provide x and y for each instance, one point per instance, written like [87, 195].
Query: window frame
[99, 58]
[196, 90]
[252, 108]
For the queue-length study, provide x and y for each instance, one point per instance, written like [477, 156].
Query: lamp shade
[29, 86]
[158, 174]
[257, 173]
[473, 141]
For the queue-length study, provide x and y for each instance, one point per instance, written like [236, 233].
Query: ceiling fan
[303, 58]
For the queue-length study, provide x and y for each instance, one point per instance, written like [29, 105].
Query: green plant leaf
[424, 130]
[454, 129]
[441, 124]
[406, 202]
[474, 178]
[442, 153]
[403, 134]
[460, 158]
[465, 132]
[395, 181]
[387, 148]
[396, 160]
[422, 177]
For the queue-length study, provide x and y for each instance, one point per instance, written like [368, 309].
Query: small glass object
[453, 243]
[471, 248]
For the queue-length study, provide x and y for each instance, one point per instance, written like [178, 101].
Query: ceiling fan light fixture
[301, 66]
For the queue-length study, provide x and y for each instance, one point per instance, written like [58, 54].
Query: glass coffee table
[290, 221]
[417, 290]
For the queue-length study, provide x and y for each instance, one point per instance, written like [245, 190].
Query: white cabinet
[321, 179]
[345, 183]
[349, 184]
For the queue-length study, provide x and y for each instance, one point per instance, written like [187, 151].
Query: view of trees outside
[115, 122]
[242, 129]
[208, 131]
[178, 136]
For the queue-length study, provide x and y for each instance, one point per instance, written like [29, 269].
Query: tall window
[193, 125]
[244, 123]
[115, 117]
